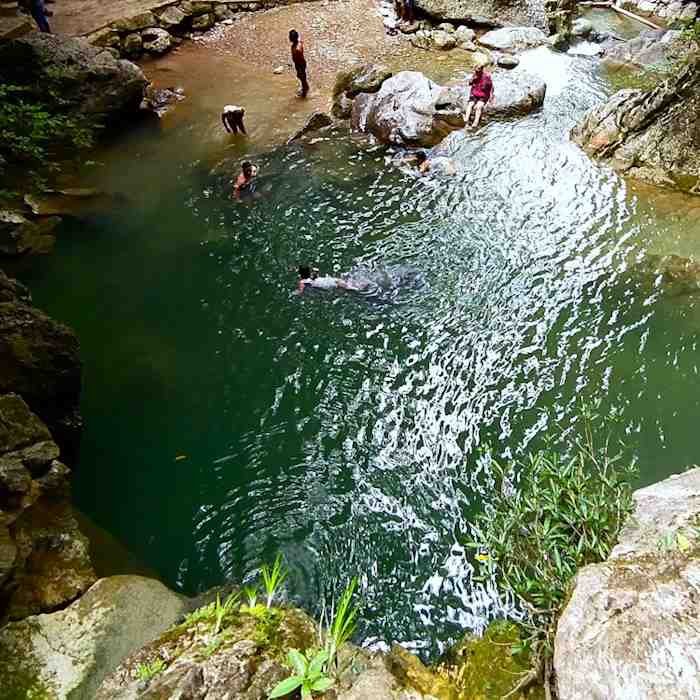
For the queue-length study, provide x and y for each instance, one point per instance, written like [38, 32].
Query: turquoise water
[227, 418]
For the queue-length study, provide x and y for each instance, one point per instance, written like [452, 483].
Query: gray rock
[240, 666]
[485, 12]
[40, 362]
[68, 653]
[200, 8]
[444, 40]
[464, 34]
[422, 39]
[367, 77]
[506, 61]
[651, 48]
[408, 27]
[318, 120]
[156, 40]
[223, 13]
[515, 94]
[87, 79]
[512, 39]
[581, 27]
[631, 628]
[45, 557]
[12, 290]
[132, 44]
[202, 22]
[649, 135]
[446, 27]
[171, 17]
[19, 235]
[342, 107]
[161, 100]
[142, 20]
[409, 109]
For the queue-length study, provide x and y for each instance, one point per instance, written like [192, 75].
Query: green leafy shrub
[550, 516]
[309, 675]
[32, 132]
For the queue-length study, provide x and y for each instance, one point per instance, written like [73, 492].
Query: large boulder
[632, 626]
[653, 47]
[516, 92]
[156, 40]
[84, 78]
[493, 13]
[39, 360]
[366, 77]
[245, 661]
[67, 654]
[408, 110]
[654, 135]
[19, 235]
[44, 558]
[512, 39]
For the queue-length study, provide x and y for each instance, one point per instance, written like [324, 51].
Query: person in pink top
[481, 94]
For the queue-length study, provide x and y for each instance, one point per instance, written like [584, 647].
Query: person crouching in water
[480, 94]
[245, 185]
[232, 119]
[309, 279]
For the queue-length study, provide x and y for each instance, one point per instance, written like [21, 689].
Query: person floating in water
[481, 94]
[309, 279]
[299, 61]
[245, 185]
[232, 119]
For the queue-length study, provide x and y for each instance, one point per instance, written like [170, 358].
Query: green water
[344, 430]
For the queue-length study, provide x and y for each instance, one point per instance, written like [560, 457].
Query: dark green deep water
[344, 430]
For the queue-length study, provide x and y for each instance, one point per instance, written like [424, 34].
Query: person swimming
[310, 279]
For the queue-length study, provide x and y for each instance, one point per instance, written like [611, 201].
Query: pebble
[279, 70]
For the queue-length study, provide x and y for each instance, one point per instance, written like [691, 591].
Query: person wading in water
[232, 119]
[299, 61]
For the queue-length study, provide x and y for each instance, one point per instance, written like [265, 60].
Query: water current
[228, 418]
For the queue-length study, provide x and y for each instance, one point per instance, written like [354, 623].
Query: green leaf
[322, 684]
[286, 686]
[297, 661]
[317, 662]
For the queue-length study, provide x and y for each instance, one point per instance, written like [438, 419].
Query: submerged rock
[318, 120]
[44, 558]
[68, 653]
[632, 626]
[512, 39]
[675, 275]
[79, 77]
[161, 100]
[652, 135]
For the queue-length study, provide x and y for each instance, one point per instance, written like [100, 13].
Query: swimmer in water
[309, 278]
[245, 186]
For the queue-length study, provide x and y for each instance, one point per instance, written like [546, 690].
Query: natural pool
[227, 418]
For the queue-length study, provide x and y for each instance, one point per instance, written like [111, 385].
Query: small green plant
[273, 577]
[309, 675]
[146, 671]
[223, 610]
[550, 516]
[251, 594]
[343, 625]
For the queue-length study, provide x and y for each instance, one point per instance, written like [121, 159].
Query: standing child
[299, 61]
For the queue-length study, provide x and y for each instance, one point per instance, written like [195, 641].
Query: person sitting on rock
[480, 94]
[232, 119]
[245, 186]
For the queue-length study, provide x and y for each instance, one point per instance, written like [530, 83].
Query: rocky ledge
[408, 109]
[651, 135]
[632, 626]
[44, 558]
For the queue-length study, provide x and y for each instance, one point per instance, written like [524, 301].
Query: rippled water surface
[228, 418]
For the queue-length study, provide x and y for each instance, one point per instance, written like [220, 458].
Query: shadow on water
[228, 417]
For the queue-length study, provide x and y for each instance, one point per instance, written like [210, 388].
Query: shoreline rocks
[652, 135]
[632, 625]
[486, 13]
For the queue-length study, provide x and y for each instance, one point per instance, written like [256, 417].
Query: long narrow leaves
[273, 577]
